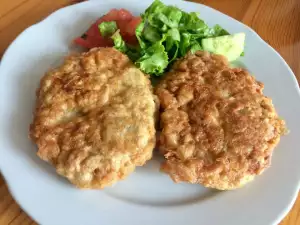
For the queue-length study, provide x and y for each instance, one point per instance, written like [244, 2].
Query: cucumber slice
[231, 46]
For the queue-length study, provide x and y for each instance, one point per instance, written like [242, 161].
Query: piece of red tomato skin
[126, 22]
[132, 40]
[125, 15]
[99, 41]
[128, 27]
[122, 26]
[82, 42]
[132, 25]
[93, 42]
[112, 15]
[93, 36]
[127, 30]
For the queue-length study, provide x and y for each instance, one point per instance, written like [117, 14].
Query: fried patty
[94, 118]
[218, 129]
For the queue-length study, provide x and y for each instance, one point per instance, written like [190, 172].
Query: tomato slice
[125, 15]
[127, 29]
[82, 42]
[131, 26]
[93, 42]
[126, 22]
[112, 15]
[122, 24]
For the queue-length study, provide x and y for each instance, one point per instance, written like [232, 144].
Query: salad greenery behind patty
[165, 34]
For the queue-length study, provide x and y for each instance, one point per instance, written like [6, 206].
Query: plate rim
[9, 183]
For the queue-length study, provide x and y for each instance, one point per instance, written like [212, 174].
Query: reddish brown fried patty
[94, 118]
[218, 129]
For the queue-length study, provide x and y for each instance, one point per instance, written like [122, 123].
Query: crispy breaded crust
[94, 118]
[218, 129]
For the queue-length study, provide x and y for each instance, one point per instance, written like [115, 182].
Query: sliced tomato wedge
[82, 42]
[125, 15]
[127, 29]
[126, 22]
[131, 26]
[112, 15]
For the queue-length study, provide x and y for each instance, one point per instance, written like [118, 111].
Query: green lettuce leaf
[172, 37]
[139, 35]
[162, 16]
[155, 7]
[165, 34]
[107, 28]
[192, 23]
[172, 40]
[216, 31]
[151, 34]
[184, 43]
[154, 59]
[195, 47]
[133, 52]
[119, 43]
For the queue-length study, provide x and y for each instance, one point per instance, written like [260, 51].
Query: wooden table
[276, 21]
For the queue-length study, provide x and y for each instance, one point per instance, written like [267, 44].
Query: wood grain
[276, 21]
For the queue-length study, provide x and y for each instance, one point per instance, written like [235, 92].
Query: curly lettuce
[165, 34]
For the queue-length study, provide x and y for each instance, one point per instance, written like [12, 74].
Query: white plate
[147, 197]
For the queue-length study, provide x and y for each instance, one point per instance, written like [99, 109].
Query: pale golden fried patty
[218, 129]
[94, 119]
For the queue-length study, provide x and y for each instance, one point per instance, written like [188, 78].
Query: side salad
[159, 36]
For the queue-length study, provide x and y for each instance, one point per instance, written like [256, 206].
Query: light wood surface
[276, 21]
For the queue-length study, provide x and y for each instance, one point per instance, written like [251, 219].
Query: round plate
[147, 197]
